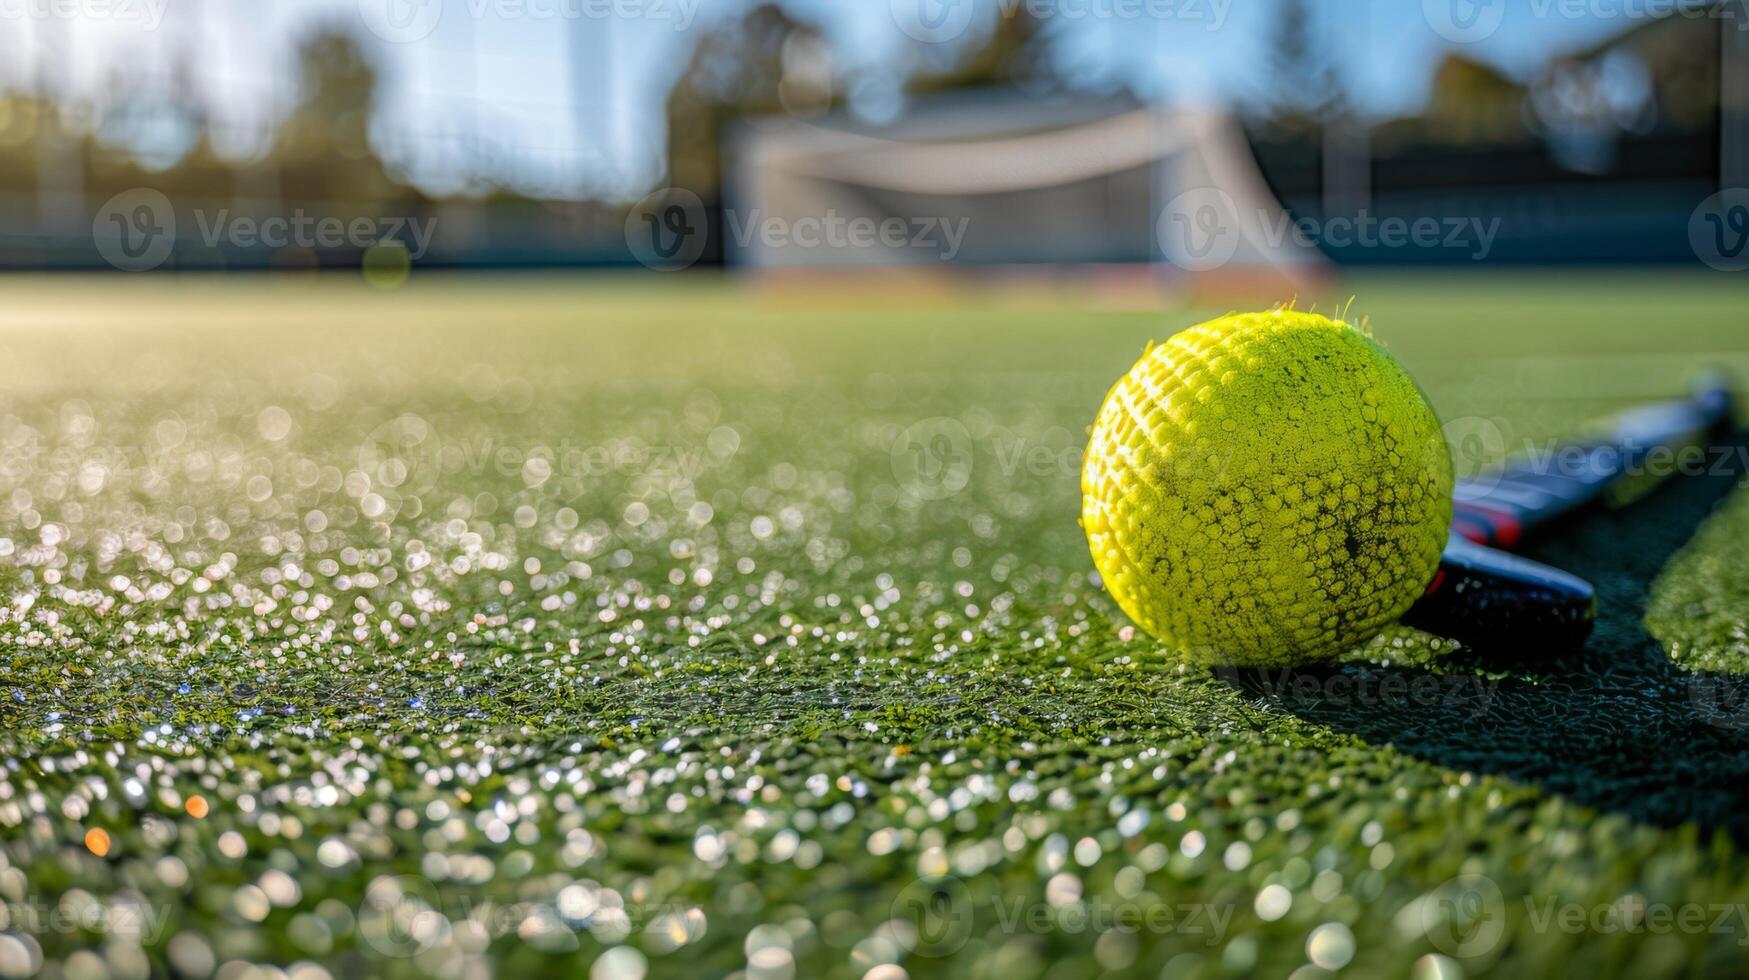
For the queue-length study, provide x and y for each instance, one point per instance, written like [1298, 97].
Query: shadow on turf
[1617, 726]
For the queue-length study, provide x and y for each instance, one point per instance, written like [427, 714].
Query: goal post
[1177, 190]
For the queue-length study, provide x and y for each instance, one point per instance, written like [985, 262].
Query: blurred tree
[1684, 90]
[22, 118]
[319, 159]
[1473, 103]
[322, 150]
[1014, 54]
[1304, 92]
[163, 131]
[765, 62]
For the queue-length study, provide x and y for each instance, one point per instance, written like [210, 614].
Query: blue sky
[564, 97]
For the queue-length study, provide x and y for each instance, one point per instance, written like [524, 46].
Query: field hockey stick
[1484, 597]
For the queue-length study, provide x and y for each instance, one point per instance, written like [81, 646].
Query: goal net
[981, 182]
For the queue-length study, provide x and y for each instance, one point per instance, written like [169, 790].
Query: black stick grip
[1486, 597]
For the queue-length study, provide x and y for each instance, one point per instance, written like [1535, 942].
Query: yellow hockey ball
[1266, 489]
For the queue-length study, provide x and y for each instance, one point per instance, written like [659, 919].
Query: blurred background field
[554, 488]
[522, 134]
[373, 633]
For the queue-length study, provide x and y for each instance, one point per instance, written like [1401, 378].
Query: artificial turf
[560, 626]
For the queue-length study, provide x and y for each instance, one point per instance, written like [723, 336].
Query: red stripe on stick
[1438, 580]
[1470, 530]
[1504, 525]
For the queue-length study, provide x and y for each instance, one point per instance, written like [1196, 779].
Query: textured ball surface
[1266, 489]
